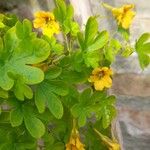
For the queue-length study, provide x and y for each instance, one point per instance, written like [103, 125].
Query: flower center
[47, 19]
[101, 74]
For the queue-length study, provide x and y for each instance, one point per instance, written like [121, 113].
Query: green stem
[74, 123]
[98, 133]
[67, 43]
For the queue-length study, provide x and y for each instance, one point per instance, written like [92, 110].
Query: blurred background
[131, 84]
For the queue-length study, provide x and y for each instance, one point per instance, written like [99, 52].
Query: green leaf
[64, 14]
[35, 127]
[112, 49]
[91, 51]
[144, 60]
[125, 33]
[25, 141]
[82, 120]
[2, 25]
[99, 42]
[85, 96]
[21, 90]
[55, 106]
[76, 110]
[109, 54]
[16, 117]
[77, 61]
[81, 40]
[81, 112]
[65, 62]
[83, 108]
[24, 29]
[97, 96]
[7, 146]
[108, 114]
[72, 97]
[128, 50]
[92, 58]
[10, 20]
[55, 47]
[106, 110]
[74, 28]
[70, 12]
[71, 27]
[90, 30]
[143, 50]
[73, 76]
[6, 22]
[58, 48]
[3, 93]
[40, 99]
[59, 87]
[60, 10]
[16, 138]
[53, 72]
[5, 117]
[59, 146]
[142, 40]
[18, 56]
[44, 93]
[3, 137]
[48, 139]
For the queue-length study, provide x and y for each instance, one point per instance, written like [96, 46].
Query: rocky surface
[25, 8]
[134, 122]
[131, 84]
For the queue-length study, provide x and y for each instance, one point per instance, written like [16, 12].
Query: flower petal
[127, 19]
[96, 71]
[93, 78]
[107, 81]
[99, 85]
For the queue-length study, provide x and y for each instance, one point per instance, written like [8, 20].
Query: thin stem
[67, 43]
[74, 123]
[97, 132]
[109, 142]
[70, 43]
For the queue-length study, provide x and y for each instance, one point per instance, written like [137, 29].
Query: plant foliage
[45, 83]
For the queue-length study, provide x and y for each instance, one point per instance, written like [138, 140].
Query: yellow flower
[124, 15]
[101, 78]
[46, 21]
[111, 144]
[74, 142]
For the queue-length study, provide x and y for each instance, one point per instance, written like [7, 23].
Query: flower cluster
[101, 77]
[46, 21]
[74, 142]
[124, 15]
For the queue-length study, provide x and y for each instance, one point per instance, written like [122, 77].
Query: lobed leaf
[45, 94]
[18, 55]
[53, 72]
[16, 117]
[91, 31]
[34, 125]
[143, 50]
[99, 42]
